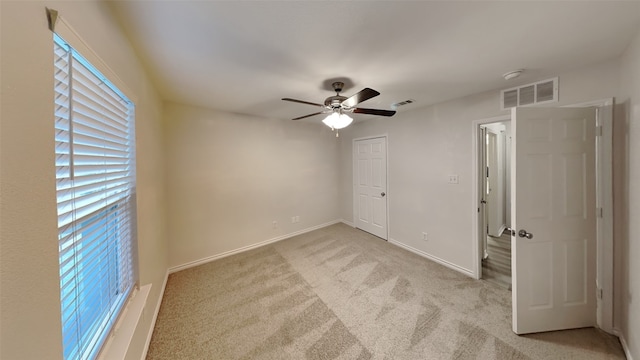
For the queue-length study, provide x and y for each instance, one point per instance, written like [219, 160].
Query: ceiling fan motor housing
[335, 101]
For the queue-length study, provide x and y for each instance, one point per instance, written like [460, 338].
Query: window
[95, 182]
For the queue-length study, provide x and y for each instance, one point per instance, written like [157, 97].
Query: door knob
[524, 234]
[382, 194]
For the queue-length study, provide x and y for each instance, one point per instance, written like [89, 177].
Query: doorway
[603, 190]
[496, 202]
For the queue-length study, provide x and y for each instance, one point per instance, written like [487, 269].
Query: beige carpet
[339, 293]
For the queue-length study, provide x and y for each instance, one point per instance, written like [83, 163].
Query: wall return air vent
[540, 92]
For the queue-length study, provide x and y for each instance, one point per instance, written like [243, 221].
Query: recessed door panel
[540, 276]
[538, 184]
[363, 173]
[379, 218]
[574, 167]
[376, 173]
[575, 271]
[538, 131]
[363, 208]
[574, 130]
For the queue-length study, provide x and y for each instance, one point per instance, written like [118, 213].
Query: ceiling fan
[339, 105]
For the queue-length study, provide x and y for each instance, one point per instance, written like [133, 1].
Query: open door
[554, 218]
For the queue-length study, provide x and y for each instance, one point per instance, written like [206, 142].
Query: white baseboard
[348, 223]
[155, 317]
[436, 259]
[248, 247]
[617, 332]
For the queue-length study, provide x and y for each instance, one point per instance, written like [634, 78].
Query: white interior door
[370, 182]
[553, 192]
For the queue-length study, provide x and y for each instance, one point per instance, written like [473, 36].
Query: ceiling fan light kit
[336, 106]
[337, 120]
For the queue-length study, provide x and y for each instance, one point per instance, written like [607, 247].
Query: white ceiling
[244, 56]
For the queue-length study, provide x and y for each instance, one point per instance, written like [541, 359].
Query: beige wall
[627, 199]
[230, 176]
[427, 144]
[29, 298]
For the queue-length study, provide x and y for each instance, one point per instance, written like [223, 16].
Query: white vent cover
[402, 103]
[541, 92]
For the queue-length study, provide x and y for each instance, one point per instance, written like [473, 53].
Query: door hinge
[599, 130]
[599, 294]
[600, 212]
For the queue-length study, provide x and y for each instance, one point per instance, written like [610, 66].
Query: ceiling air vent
[541, 92]
[401, 103]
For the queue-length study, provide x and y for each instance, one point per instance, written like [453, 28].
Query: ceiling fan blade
[374, 112]
[306, 116]
[363, 95]
[302, 102]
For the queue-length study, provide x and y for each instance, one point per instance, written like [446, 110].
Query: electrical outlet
[424, 236]
[293, 219]
[297, 218]
[274, 225]
[453, 179]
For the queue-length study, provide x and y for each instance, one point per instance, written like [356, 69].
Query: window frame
[97, 340]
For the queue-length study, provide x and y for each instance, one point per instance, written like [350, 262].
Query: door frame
[500, 182]
[476, 191]
[353, 177]
[604, 201]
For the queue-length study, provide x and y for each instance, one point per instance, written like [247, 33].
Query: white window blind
[95, 183]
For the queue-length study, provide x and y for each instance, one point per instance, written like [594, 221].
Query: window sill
[118, 344]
